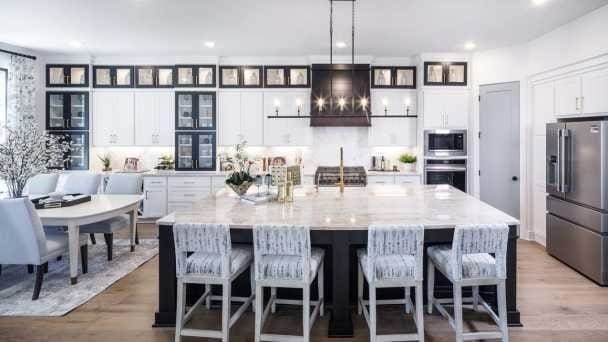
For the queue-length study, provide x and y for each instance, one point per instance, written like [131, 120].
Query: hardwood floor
[556, 304]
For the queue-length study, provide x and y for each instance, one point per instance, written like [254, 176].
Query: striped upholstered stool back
[212, 239]
[480, 239]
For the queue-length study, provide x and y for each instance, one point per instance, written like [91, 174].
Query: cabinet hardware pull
[146, 195]
[582, 103]
[577, 108]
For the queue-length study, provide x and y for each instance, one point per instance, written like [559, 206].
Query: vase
[408, 167]
[240, 189]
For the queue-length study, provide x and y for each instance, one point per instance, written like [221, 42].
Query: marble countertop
[173, 173]
[434, 206]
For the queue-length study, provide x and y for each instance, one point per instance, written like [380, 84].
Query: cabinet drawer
[189, 182]
[218, 182]
[381, 180]
[155, 182]
[408, 180]
[188, 195]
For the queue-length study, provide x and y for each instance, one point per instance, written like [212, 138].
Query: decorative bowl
[241, 189]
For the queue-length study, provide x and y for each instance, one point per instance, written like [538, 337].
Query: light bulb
[407, 101]
[298, 102]
[364, 102]
[341, 102]
[385, 102]
[320, 102]
[277, 103]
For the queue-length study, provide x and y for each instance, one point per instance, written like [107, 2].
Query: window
[3, 80]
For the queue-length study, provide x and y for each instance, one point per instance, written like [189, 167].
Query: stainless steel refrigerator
[577, 202]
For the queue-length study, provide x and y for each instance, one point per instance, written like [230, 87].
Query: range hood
[340, 95]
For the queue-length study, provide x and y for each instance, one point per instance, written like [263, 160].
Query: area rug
[57, 296]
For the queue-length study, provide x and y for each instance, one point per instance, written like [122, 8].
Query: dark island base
[340, 282]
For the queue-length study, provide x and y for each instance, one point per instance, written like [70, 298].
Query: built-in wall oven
[446, 171]
[445, 143]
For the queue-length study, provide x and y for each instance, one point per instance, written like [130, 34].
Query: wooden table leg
[133, 217]
[74, 248]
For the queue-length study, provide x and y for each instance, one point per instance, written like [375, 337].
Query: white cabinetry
[568, 96]
[183, 192]
[595, 92]
[394, 179]
[543, 106]
[446, 109]
[154, 118]
[241, 117]
[583, 94]
[113, 118]
[155, 197]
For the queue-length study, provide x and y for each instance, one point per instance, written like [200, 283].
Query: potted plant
[106, 160]
[408, 162]
[165, 162]
[240, 179]
[28, 151]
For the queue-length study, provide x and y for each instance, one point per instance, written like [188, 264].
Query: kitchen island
[338, 223]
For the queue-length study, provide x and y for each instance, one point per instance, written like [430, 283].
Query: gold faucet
[341, 182]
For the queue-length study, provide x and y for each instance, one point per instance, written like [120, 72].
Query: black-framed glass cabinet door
[195, 151]
[77, 158]
[67, 111]
[195, 111]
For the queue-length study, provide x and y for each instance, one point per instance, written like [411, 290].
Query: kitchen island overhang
[339, 223]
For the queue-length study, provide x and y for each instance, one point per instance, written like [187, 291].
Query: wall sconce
[385, 105]
[320, 103]
[341, 103]
[299, 105]
[277, 104]
[364, 103]
[407, 102]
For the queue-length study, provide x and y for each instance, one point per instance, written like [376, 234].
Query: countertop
[173, 173]
[434, 206]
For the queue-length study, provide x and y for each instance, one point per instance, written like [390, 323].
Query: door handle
[558, 163]
[563, 165]
[514, 178]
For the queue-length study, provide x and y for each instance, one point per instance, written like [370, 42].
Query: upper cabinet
[113, 118]
[150, 76]
[287, 76]
[154, 117]
[241, 117]
[113, 76]
[67, 111]
[446, 109]
[394, 77]
[246, 76]
[195, 76]
[445, 73]
[583, 94]
[67, 75]
[195, 111]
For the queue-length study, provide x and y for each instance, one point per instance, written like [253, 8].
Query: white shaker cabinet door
[434, 110]
[146, 118]
[123, 118]
[165, 135]
[595, 92]
[543, 106]
[456, 109]
[102, 113]
[252, 118]
[567, 96]
[229, 113]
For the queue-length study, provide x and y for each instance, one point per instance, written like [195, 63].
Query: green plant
[407, 158]
[106, 160]
[165, 162]
[241, 165]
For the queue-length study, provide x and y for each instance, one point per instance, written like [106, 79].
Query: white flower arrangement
[29, 151]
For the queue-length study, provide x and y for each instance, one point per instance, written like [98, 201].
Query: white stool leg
[306, 312]
[475, 297]
[226, 303]
[259, 311]
[320, 282]
[407, 294]
[419, 312]
[502, 310]
[208, 299]
[372, 313]
[252, 281]
[273, 296]
[181, 306]
[359, 288]
[430, 276]
[458, 323]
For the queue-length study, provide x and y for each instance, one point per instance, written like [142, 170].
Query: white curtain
[21, 99]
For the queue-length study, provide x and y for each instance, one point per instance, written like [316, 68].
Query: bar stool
[212, 260]
[468, 263]
[284, 258]
[393, 259]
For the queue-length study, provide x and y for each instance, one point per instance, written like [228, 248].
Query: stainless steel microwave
[445, 143]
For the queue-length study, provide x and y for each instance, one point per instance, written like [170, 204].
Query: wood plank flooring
[556, 304]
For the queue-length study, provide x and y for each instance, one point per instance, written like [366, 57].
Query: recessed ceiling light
[469, 45]
[539, 2]
[210, 44]
[340, 44]
[75, 44]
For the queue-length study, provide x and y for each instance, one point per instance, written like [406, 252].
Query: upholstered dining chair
[283, 257]
[393, 258]
[86, 183]
[204, 255]
[23, 241]
[41, 184]
[469, 262]
[118, 184]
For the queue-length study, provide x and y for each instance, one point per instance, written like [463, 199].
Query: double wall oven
[445, 157]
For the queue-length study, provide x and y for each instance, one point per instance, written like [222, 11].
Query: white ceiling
[277, 27]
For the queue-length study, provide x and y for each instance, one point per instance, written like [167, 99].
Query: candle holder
[268, 181]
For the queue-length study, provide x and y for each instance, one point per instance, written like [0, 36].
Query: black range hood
[340, 95]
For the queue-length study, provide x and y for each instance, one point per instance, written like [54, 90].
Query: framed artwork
[230, 76]
[456, 73]
[382, 77]
[433, 73]
[252, 76]
[274, 77]
[405, 77]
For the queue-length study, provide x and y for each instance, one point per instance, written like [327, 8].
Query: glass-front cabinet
[67, 111]
[393, 77]
[195, 111]
[113, 76]
[195, 151]
[78, 156]
[67, 75]
[287, 76]
[195, 76]
[149, 76]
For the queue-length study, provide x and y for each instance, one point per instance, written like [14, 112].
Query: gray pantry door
[499, 146]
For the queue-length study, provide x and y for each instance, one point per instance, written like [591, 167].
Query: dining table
[101, 207]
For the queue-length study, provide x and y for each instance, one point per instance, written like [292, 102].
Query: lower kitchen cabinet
[155, 197]
[394, 179]
[195, 151]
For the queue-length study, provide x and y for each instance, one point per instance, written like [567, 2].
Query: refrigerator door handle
[563, 161]
[558, 166]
